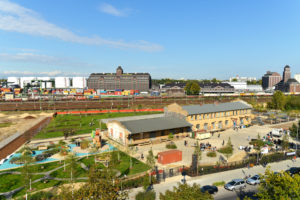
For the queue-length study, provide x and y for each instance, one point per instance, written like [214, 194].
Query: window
[226, 123]
[195, 117]
[220, 126]
[192, 117]
[198, 126]
[200, 116]
[205, 126]
[213, 125]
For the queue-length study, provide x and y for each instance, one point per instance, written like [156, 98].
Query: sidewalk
[222, 176]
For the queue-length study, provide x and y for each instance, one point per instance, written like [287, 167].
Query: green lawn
[79, 172]
[10, 182]
[3, 125]
[80, 123]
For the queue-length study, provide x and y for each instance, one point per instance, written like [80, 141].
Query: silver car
[253, 180]
[235, 184]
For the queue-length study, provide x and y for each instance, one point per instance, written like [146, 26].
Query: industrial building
[216, 88]
[119, 81]
[238, 86]
[241, 79]
[270, 79]
[288, 84]
[213, 117]
[180, 121]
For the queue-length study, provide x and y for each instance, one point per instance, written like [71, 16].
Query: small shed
[170, 156]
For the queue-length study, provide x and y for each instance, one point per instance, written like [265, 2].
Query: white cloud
[29, 57]
[109, 9]
[50, 73]
[16, 18]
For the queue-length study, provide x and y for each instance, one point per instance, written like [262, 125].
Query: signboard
[291, 153]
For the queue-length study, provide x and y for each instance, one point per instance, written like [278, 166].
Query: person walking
[223, 143]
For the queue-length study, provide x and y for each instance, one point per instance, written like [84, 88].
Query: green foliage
[258, 144]
[150, 159]
[294, 129]
[41, 196]
[285, 142]
[278, 101]
[279, 186]
[146, 182]
[84, 144]
[211, 154]
[227, 150]
[170, 136]
[220, 183]
[143, 195]
[197, 151]
[192, 88]
[171, 146]
[185, 192]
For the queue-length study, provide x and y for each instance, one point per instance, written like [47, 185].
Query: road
[222, 176]
[230, 195]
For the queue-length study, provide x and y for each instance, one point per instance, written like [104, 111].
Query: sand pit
[19, 123]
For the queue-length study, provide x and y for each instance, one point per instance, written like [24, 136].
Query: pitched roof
[210, 108]
[154, 124]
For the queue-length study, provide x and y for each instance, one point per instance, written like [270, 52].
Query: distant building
[79, 82]
[288, 84]
[297, 77]
[270, 79]
[173, 89]
[241, 79]
[119, 80]
[216, 88]
[62, 82]
[254, 88]
[238, 86]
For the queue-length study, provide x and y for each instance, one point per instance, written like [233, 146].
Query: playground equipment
[97, 137]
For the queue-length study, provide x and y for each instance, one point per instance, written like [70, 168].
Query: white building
[242, 79]
[254, 88]
[25, 80]
[62, 82]
[239, 86]
[13, 80]
[79, 82]
[297, 77]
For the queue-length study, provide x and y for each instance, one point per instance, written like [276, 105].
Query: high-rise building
[270, 79]
[119, 80]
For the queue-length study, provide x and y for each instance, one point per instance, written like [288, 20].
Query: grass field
[10, 182]
[80, 123]
[3, 125]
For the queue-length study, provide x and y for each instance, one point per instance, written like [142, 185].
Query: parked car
[293, 170]
[253, 180]
[211, 189]
[235, 184]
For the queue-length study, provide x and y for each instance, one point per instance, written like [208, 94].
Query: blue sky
[199, 39]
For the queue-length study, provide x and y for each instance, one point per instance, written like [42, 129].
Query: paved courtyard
[238, 138]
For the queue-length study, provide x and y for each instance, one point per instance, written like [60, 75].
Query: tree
[101, 185]
[294, 130]
[278, 101]
[72, 162]
[198, 152]
[285, 142]
[279, 186]
[185, 192]
[150, 159]
[234, 80]
[192, 88]
[145, 195]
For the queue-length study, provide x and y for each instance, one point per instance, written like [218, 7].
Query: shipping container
[170, 156]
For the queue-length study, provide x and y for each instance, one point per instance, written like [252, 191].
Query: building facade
[119, 80]
[173, 89]
[216, 88]
[270, 79]
[150, 131]
[214, 117]
[297, 77]
[288, 84]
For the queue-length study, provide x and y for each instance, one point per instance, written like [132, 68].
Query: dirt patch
[29, 117]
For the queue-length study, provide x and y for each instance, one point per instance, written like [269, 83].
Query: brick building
[288, 84]
[119, 80]
[270, 79]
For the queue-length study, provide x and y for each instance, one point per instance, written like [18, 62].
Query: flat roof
[211, 108]
[154, 124]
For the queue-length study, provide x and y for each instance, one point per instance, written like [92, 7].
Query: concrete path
[216, 177]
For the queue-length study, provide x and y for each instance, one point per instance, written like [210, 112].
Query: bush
[84, 144]
[15, 160]
[41, 196]
[171, 146]
[220, 183]
[226, 150]
[150, 195]
[211, 154]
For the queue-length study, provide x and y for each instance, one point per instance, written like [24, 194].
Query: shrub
[226, 150]
[144, 195]
[15, 160]
[220, 183]
[42, 196]
[84, 144]
[171, 146]
[170, 136]
[211, 154]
